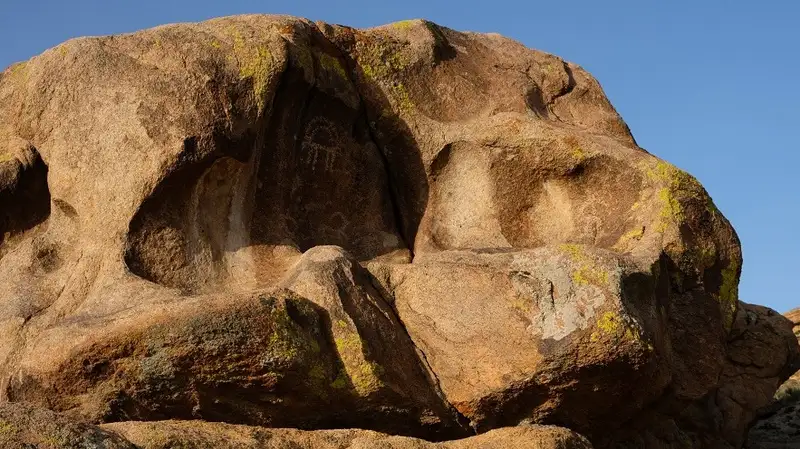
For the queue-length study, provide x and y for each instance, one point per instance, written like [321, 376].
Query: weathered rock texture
[779, 423]
[191, 435]
[25, 426]
[267, 221]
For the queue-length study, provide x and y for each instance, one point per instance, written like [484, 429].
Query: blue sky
[712, 86]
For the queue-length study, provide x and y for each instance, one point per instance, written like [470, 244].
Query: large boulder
[778, 426]
[332, 356]
[539, 335]
[761, 351]
[267, 221]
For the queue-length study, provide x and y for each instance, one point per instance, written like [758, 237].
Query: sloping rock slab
[195, 435]
[23, 426]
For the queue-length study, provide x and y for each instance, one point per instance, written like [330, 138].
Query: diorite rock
[271, 222]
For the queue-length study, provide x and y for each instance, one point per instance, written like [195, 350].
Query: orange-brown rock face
[271, 222]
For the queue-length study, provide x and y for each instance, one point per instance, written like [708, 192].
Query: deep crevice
[396, 211]
[363, 114]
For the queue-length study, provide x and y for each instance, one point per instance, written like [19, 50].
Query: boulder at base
[25, 426]
[266, 221]
[778, 425]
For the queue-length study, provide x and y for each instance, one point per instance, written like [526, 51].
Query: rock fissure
[566, 90]
[397, 212]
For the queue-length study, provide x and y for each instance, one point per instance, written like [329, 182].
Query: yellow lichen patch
[588, 276]
[576, 150]
[578, 154]
[521, 304]
[572, 249]
[677, 186]
[317, 372]
[215, 44]
[404, 24]
[302, 57]
[19, 69]
[54, 441]
[317, 380]
[332, 65]
[364, 374]
[381, 63]
[340, 382]
[586, 271]
[706, 254]
[711, 207]
[257, 68]
[729, 293]
[282, 344]
[255, 64]
[7, 428]
[634, 234]
[6, 156]
[401, 97]
[671, 211]
[611, 324]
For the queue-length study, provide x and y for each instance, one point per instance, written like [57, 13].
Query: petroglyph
[322, 137]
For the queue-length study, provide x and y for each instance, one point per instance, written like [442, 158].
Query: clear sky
[712, 86]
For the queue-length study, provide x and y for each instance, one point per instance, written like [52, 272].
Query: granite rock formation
[269, 222]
